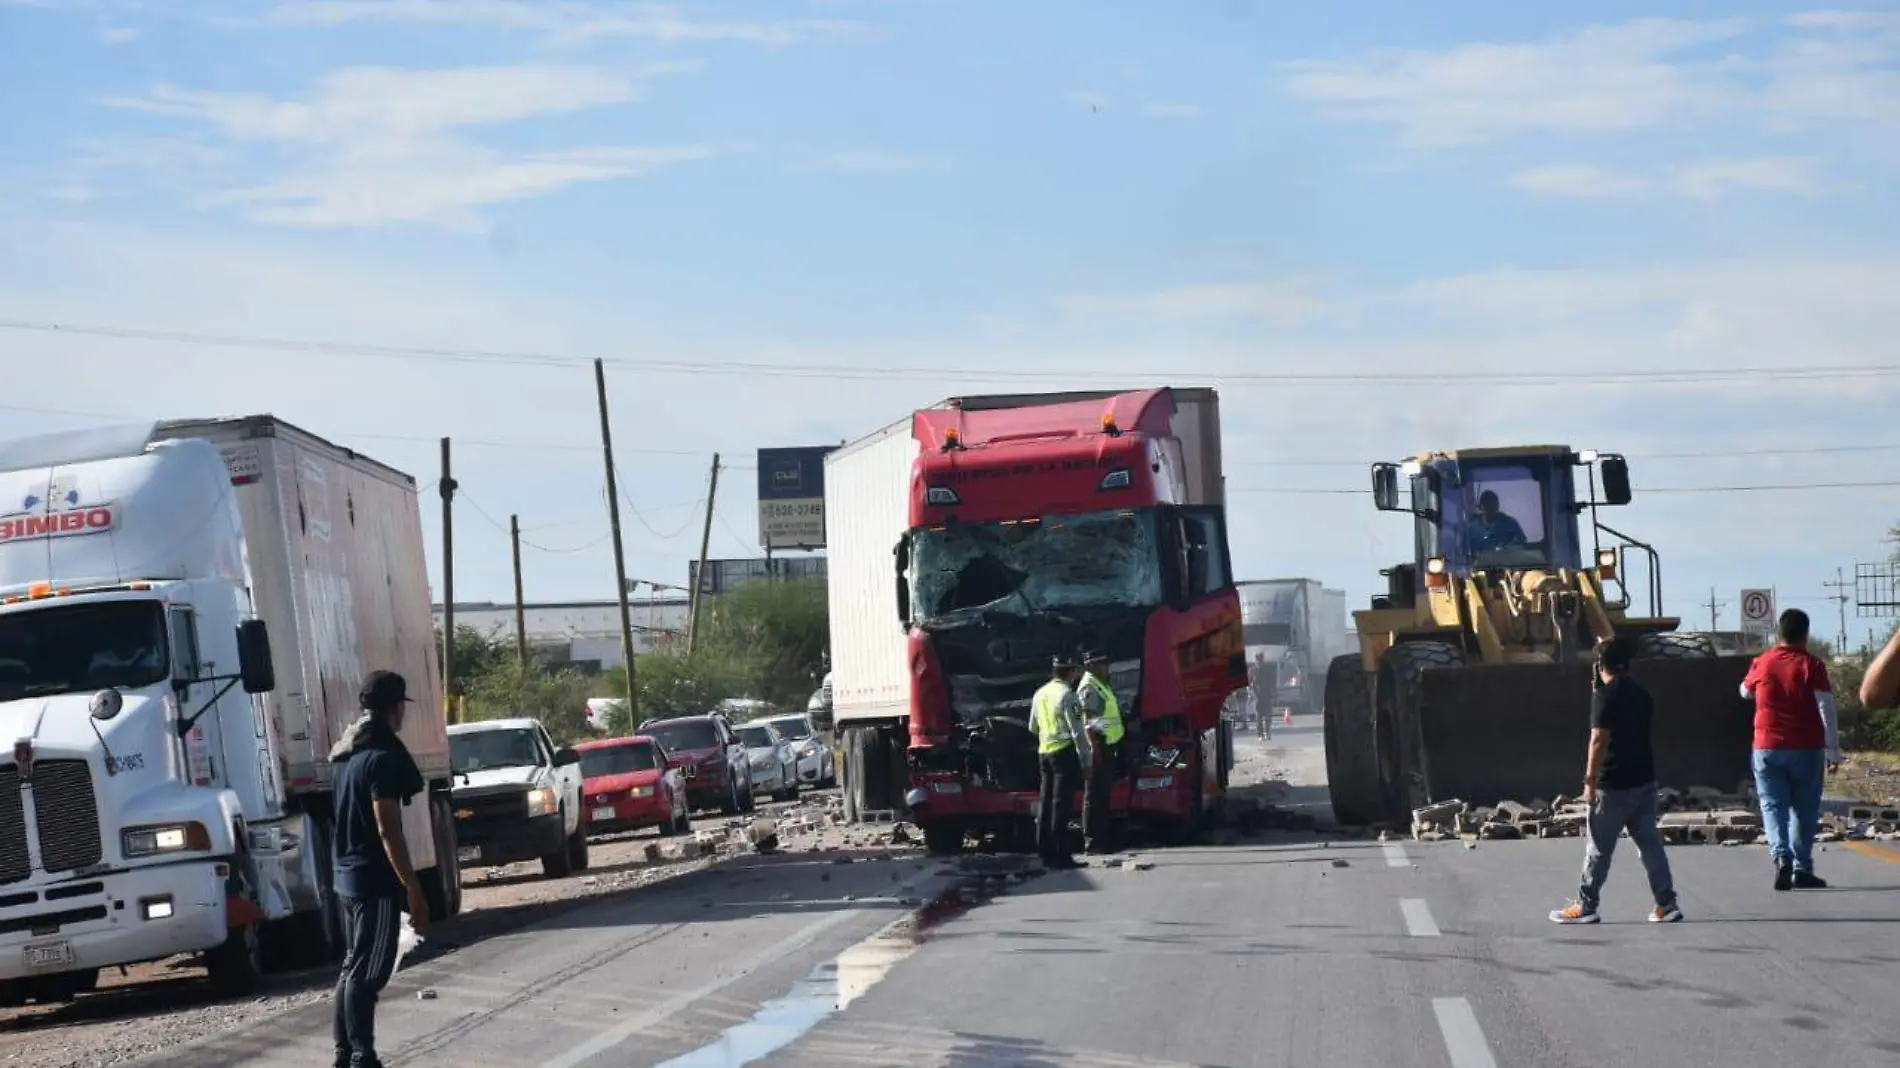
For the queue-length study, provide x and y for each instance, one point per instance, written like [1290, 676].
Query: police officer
[1056, 719]
[1102, 718]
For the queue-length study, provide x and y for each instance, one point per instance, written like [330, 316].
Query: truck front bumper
[494, 844]
[1155, 792]
[126, 917]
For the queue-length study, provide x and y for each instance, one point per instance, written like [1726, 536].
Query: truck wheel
[560, 863]
[316, 938]
[868, 767]
[730, 805]
[943, 838]
[749, 800]
[1671, 646]
[1352, 754]
[235, 966]
[1405, 767]
[577, 849]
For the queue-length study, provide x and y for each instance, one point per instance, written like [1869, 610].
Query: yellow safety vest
[1046, 711]
[1111, 708]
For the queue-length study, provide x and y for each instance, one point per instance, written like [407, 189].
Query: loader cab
[1484, 509]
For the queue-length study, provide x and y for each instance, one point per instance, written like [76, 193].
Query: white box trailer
[198, 602]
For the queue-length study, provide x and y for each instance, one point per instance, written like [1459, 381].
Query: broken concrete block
[685, 849]
[1673, 833]
[1433, 836]
[1500, 831]
[1512, 812]
[1738, 817]
[651, 854]
[1532, 828]
[1861, 813]
[1828, 836]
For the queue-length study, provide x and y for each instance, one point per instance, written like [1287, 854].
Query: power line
[1461, 379]
[1791, 487]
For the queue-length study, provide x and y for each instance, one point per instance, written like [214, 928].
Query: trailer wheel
[867, 768]
[1404, 767]
[442, 884]
[1352, 753]
[315, 938]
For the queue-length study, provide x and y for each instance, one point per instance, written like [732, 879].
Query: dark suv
[711, 758]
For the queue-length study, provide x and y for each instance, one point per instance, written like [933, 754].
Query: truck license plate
[49, 955]
[603, 815]
[468, 854]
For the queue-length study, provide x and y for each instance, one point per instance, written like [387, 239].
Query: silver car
[771, 758]
[812, 754]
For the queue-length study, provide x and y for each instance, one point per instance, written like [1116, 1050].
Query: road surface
[1284, 949]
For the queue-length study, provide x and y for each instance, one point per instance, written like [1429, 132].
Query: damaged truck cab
[1038, 525]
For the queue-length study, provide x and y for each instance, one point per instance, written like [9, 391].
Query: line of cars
[517, 796]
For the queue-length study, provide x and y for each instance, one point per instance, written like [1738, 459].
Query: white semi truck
[186, 612]
[1292, 628]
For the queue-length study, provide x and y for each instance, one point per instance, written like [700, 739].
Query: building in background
[584, 635]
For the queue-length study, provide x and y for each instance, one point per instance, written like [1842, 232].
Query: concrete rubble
[1698, 816]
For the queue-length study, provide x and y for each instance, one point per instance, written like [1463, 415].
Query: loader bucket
[1520, 732]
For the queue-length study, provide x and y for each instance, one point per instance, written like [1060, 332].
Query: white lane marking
[1395, 856]
[1418, 918]
[644, 1021]
[1464, 1039]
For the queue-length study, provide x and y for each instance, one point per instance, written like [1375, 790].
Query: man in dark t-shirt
[1619, 786]
[375, 777]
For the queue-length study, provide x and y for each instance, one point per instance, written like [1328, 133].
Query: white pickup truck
[517, 796]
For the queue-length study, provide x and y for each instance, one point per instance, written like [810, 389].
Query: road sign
[1758, 606]
[792, 498]
[1758, 614]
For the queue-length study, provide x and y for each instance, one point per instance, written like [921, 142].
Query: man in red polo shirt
[1796, 744]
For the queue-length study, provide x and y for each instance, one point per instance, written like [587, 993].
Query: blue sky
[789, 222]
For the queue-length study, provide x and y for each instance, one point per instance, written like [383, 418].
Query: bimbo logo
[27, 526]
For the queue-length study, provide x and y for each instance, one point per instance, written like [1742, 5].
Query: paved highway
[1286, 949]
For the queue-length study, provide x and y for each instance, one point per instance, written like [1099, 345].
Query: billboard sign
[792, 497]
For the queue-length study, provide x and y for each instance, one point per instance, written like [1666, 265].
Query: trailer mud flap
[1520, 732]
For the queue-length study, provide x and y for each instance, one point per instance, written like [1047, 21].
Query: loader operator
[1102, 718]
[1492, 529]
[1056, 718]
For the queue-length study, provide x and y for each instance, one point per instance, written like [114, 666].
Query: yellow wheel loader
[1473, 676]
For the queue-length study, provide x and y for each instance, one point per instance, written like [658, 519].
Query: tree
[557, 697]
[672, 684]
[474, 655]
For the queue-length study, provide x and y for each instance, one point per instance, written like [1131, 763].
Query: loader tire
[1352, 757]
[1398, 723]
[1672, 646]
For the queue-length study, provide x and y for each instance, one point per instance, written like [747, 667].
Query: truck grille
[68, 816]
[15, 863]
[509, 807]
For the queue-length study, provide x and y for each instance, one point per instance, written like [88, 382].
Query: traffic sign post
[1758, 614]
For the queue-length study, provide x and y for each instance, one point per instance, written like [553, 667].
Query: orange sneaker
[1574, 913]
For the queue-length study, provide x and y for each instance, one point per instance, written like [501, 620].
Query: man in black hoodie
[375, 777]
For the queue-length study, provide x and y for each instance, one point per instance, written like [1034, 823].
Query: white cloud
[1579, 180]
[1703, 179]
[377, 145]
[863, 161]
[566, 21]
[1171, 111]
[118, 35]
[1646, 75]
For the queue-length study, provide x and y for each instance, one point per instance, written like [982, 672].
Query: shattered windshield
[1034, 565]
[82, 649]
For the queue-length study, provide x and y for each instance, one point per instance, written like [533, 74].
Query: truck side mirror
[566, 756]
[255, 667]
[902, 554]
[1385, 488]
[1616, 480]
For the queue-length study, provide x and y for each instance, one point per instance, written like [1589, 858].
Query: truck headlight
[159, 839]
[542, 802]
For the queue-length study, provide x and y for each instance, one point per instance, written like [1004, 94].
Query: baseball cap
[383, 690]
[1063, 660]
[1095, 656]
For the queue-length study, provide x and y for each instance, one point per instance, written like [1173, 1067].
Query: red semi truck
[975, 540]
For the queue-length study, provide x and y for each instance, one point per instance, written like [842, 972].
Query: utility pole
[705, 543]
[1714, 606]
[521, 611]
[620, 552]
[1840, 599]
[448, 586]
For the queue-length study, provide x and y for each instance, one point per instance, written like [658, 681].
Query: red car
[629, 784]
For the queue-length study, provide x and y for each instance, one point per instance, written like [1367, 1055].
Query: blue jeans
[1790, 782]
[1634, 810]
